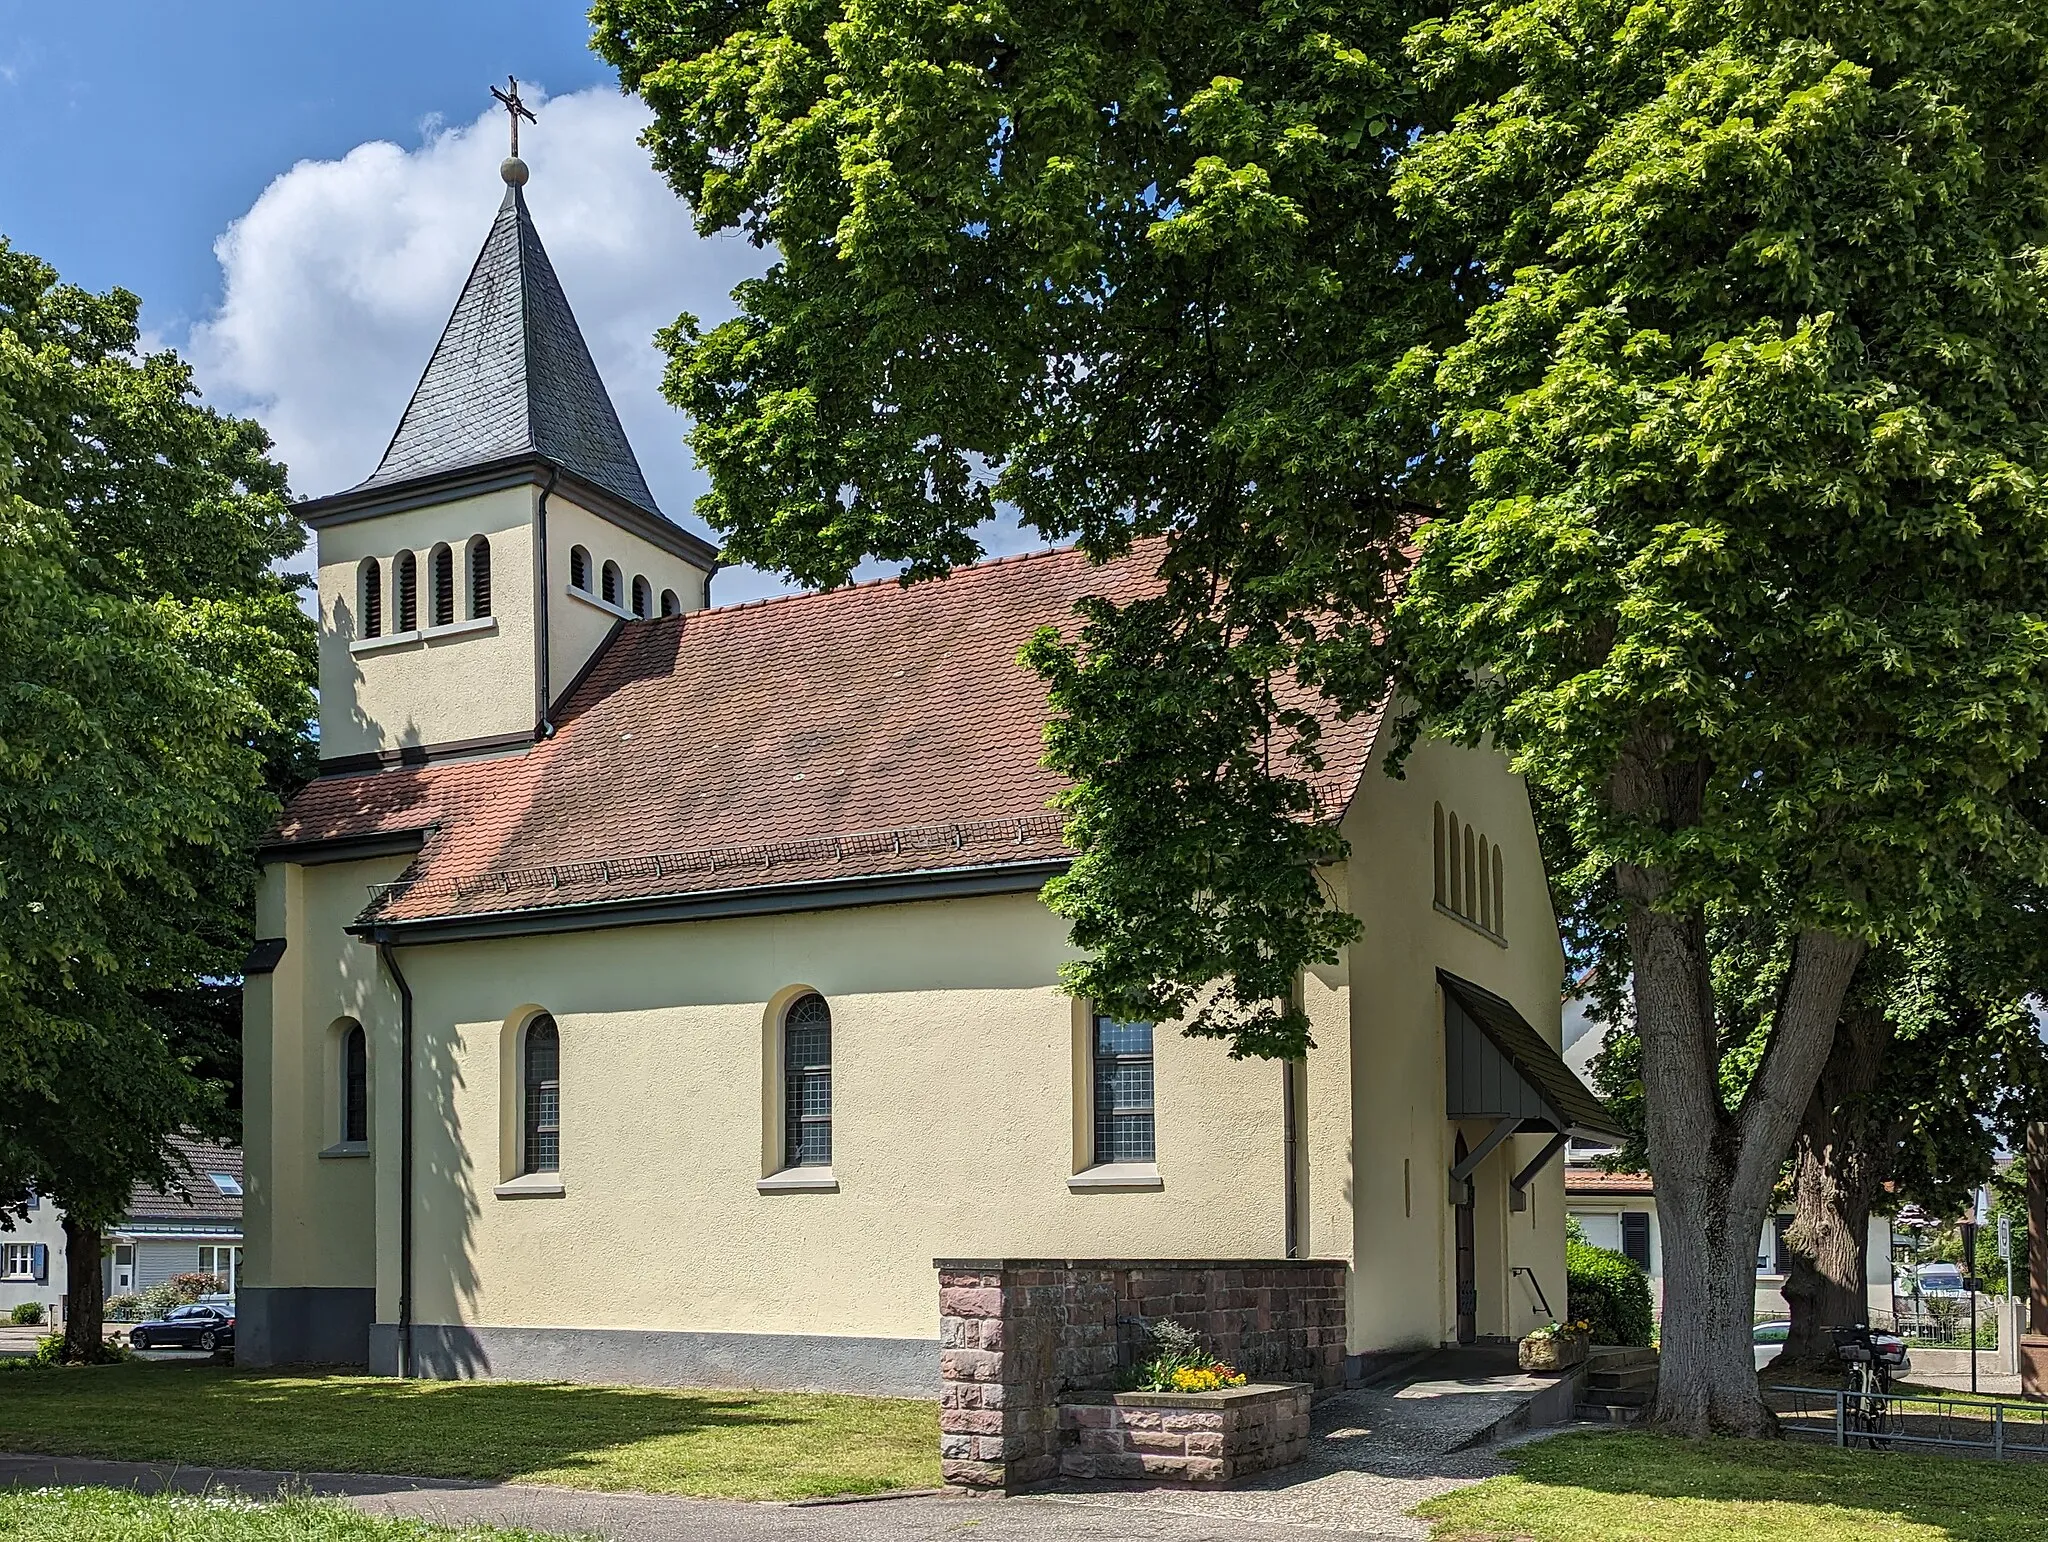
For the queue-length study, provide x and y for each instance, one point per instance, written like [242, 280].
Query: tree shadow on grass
[745, 1444]
[1969, 1499]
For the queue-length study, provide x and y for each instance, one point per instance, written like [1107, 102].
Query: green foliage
[125, 1309]
[27, 1314]
[1606, 1289]
[155, 692]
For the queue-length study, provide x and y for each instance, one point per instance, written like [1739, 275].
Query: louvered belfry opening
[479, 578]
[408, 592]
[444, 586]
[373, 598]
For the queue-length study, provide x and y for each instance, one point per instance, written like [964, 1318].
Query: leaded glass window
[543, 1097]
[807, 1083]
[1123, 1091]
[355, 1085]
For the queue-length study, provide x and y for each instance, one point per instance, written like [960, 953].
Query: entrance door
[124, 1268]
[1468, 1262]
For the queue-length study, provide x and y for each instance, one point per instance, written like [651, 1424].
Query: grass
[116, 1515]
[1630, 1487]
[733, 1445]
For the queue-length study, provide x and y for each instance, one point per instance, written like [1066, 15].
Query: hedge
[1609, 1291]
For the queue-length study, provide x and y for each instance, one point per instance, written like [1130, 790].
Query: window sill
[1127, 1176]
[799, 1180]
[599, 602]
[389, 640]
[1469, 924]
[459, 628]
[341, 1150]
[532, 1186]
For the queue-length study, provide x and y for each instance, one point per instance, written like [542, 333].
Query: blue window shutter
[42, 1263]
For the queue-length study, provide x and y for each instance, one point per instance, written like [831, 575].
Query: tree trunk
[1838, 1168]
[1714, 1169]
[85, 1300]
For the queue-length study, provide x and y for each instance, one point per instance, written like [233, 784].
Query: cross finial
[514, 109]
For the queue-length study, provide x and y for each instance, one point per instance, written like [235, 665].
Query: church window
[1123, 1091]
[407, 575]
[670, 605]
[442, 565]
[355, 1085]
[373, 597]
[1470, 877]
[543, 1096]
[807, 1083]
[643, 598]
[479, 578]
[611, 584]
[579, 569]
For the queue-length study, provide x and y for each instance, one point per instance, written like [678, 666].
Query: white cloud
[339, 278]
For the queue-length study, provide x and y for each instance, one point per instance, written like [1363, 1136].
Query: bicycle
[1871, 1359]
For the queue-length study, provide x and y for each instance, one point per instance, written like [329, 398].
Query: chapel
[650, 991]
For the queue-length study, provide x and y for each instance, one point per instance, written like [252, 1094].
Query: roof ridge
[892, 581]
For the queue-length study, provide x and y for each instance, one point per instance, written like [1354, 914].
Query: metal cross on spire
[514, 108]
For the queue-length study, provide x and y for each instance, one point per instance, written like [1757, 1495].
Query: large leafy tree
[155, 680]
[1703, 340]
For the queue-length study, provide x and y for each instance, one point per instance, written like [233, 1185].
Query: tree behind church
[1709, 340]
[155, 691]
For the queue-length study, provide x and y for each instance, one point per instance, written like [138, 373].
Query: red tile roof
[868, 731]
[1594, 1180]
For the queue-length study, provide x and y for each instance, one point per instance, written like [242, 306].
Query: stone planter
[1185, 1437]
[1552, 1352]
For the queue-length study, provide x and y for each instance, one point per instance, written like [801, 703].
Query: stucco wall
[42, 1226]
[575, 625]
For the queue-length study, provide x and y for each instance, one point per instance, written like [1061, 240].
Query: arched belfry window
[479, 578]
[1500, 891]
[807, 1083]
[442, 566]
[670, 605]
[406, 572]
[372, 597]
[1443, 893]
[643, 598]
[579, 569]
[355, 1085]
[541, 1071]
[612, 585]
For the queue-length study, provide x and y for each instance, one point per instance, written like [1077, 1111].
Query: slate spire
[512, 375]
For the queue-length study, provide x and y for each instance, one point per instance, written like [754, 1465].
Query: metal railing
[1844, 1418]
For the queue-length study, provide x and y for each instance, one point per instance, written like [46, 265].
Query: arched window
[441, 564]
[807, 1083]
[355, 1085]
[408, 581]
[542, 1073]
[579, 569]
[1442, 888]
[1456, 901]
[1471, 848]
[1483, 911]
[643, 598]
[670, 605]
[479, 578]
[1500, 891]
[611, 591]
[372, 607]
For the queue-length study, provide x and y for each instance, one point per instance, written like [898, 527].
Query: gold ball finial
[513, 170]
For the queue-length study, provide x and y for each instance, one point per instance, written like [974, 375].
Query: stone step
[1612, 1357]
[1620, 1397]
[1602, 1379]
[1612, 1413]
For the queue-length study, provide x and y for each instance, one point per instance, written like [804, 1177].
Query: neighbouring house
[652, 992]
[193, 1226]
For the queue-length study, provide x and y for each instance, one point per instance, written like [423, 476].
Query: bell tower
[506, 531]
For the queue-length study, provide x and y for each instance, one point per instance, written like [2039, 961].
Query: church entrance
[1467, 1256]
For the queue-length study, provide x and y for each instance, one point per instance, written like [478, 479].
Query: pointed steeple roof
[512, 376]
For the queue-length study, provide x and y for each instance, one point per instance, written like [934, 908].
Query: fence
[1844, 1418]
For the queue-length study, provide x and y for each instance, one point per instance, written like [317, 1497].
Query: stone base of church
[781, 1362]
[303, 1325]
[2034, 1365]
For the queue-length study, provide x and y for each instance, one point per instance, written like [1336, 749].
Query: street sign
[2005, 1238]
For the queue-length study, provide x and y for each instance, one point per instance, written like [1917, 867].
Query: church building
[650, 991]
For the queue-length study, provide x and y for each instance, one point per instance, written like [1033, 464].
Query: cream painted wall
[1403, 1290]
[464, 683]
[576, 625]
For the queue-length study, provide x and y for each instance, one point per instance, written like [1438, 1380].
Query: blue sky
[136, 132]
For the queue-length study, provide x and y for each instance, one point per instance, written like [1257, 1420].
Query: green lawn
[738, 1445]
[116, 1515]
[1629, 1487]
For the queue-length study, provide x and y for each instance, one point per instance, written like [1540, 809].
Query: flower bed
[1185, 1437]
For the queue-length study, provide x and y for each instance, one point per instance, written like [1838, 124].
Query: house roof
[865, 732]
[1571, 1104]
[512, 376]
[192, 1195]
[1595, 1181]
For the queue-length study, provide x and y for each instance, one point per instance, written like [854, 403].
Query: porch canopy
[1498, 1067]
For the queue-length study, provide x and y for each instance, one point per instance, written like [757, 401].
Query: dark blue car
[202, 1326]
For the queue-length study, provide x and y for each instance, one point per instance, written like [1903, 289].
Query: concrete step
[1612, 1413]
[1620, 1397]
[1614, 1357]
[1601, 1379]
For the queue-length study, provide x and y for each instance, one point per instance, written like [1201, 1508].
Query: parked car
[1769, 1338]
[1940, 1281]
[204, 1325]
